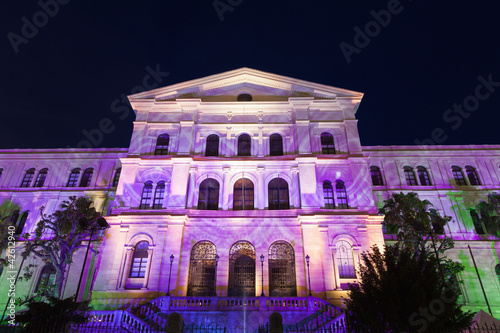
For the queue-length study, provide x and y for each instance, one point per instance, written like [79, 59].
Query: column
[355, 253]
[328, 264]
[185, 137]
[192, 187]
[125, 271]
[304, 143]
[336, 269]
[321, 197]
[225, 188]
[261, 142]
[228, 141]
[261, 188]
[148, 270]
[295, 187]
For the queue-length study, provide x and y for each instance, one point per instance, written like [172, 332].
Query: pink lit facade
[245, 164]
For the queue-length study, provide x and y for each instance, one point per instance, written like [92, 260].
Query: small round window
[244, 98]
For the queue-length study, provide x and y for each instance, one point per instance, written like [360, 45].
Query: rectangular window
[138, 269]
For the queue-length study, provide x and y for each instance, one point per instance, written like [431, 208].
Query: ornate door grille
[242, 270]
[282, 280]
[201, 281]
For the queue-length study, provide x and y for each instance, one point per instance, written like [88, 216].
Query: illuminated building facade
[236, 183]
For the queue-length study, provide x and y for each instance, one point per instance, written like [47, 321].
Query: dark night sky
[64, 79]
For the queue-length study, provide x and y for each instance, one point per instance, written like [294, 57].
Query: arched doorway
[242, 270]
[282, 280]
[201, 281]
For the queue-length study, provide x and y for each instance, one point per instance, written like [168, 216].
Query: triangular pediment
[260, 85]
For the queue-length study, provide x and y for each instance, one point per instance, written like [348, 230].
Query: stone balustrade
[325, 314]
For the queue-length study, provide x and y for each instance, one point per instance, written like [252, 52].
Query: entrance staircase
[309, 313]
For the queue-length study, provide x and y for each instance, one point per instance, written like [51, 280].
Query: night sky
[416, 67]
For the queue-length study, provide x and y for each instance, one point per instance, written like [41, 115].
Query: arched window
[116, 178]
[244, 145]
[139, 260]
[458, 175]
[22, 222]
[345, 260]
[472, 175]
[327, 145]
[243, 195]
[162, 144]
[278, 194]
[14, 217]
[73, 177]
[202, 265]
[423, 176]
[328, 195]
[478, 224]
[497, 271]
[376, 176]
[282, 279]
[40, 179]
[159, 193]
[275, 145]
[212, 145]
[86, 177]
[47, 280]
[410, 176]
[28, 177]
[242, 270]
[244, 98]
[341, 195]
[147, 191]
[208, 198]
